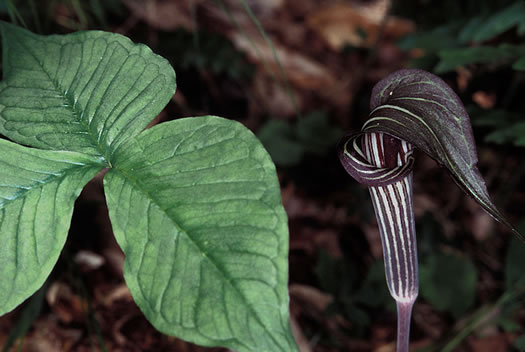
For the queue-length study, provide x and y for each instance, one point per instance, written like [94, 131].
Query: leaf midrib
[136, 183]
[44, 182]
[71, 103]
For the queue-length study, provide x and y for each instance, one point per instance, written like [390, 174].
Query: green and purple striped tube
[394, 210]
[384, 164]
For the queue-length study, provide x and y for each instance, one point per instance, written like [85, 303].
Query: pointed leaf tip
[420, 108]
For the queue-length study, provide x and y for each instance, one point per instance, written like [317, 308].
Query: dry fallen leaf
[389, 347]
[117, 293]
[344, 24]
[311, 296]
[463, 78]
[68, 306]
[271, 97]
[495, 343]
[263, 10]
[302, 341]
[165, 15]
[481, 224]
[260, 8]
[373, 238]
[51, 335]
[302, 71]
[88, 260]
[484, 99]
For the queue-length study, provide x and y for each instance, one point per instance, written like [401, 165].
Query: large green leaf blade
[448, 282]
[500, 22]
[195, 206]
[86, 91]
[37, 192]
[422, 109]
[451, 58]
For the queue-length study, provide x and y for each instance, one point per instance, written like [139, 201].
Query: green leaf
[519, 65]
[448, 282]
[214, 52]
[279, 138]
[359, 317]
[514, 262]
[471, 28]
[452, 58]
[505, 125]
[514, 133]
[317, 134]
[422, 109]
[374, 291]
[519, 343]
[37, 192]
[335, 275]
[439, 38]
[288, 143]
[28, 315]
[492, 118]
[502, 21]
[195, 206]
[85, 92]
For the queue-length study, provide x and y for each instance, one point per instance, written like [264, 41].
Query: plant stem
[404, 313]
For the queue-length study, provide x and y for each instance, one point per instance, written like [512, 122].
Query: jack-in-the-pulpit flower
[410, 108]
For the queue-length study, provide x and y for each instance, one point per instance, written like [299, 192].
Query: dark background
[299, 95]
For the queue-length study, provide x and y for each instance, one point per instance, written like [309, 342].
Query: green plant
[410, 108]
[504, 311]
[354, 299]
[68, 13]
[485, 39]
[471, 37]
[212, 52]
[289, 143]
[194, 203]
